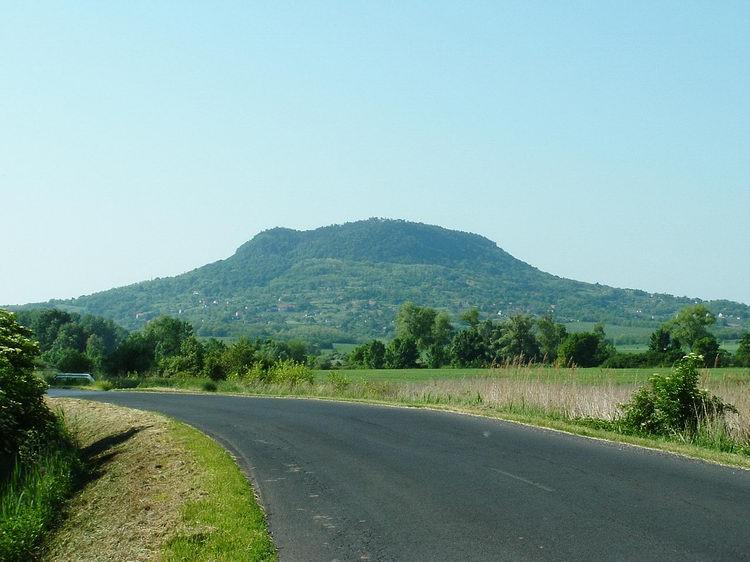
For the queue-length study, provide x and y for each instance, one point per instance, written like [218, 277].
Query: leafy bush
[104, 385]
[289, 372]
[338, 381]
[23, 412]
[209, 386]
[674, 403]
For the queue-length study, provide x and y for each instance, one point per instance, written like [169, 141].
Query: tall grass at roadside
[32, 495]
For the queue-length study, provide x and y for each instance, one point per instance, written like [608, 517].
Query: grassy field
[590, 376]
[615, 333]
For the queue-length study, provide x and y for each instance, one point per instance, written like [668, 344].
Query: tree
[401, 353]
[580, 349]
[375, 354]
[708, 347]
[661, 341]
[240, 356]
[96, 352]
[166, 335]
[551, 335]
[438, 353]
[742, 357]
[370, 355]
[471, 317]
[691, 324]
[468, 349]
[134, 355]
[213, 359]
[518, 340]
[416, 323]
[188, 361]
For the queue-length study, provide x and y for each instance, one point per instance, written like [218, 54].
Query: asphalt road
[355, 482]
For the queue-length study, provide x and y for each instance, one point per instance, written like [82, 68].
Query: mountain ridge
[345, 282]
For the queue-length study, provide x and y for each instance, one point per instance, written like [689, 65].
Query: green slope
[345, 283]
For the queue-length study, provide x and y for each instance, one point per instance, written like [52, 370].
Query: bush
[23, 412]
[338, 381]
[289, 372]
[104, 385]
[209, 386]
[673, 403]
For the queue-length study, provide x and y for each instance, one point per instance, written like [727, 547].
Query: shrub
[289, 372]
[104, 385]
[674, 403]
[209, 386]
[338, 381]
[23, 412]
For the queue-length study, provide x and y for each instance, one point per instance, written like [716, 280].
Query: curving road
[346, 481]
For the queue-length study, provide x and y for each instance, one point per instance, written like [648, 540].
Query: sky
[601, 141]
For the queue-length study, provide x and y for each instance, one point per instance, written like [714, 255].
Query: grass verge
[226, 522]
[34, 493]
[156, 489]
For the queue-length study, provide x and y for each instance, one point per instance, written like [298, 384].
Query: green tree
[134, 355]
[239, 357]
[518, 340]
[370, 355]
[416, 323]
[742, 357]
[213, 359]
[661, 341]
[551, 335]
[471, 317]
[96, 352]
[401, 353]
[375, 354]
[438, 353]
[708, 348]
[469, 349]
[691, 324]
[188, 361]
[166, 335]
[580, 349]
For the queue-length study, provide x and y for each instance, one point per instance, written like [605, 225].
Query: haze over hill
[345, 282]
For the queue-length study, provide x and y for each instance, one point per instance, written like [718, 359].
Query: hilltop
[345, 283]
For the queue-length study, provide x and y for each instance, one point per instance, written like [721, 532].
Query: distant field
[731, 346]
[594, 375]
[615, 333]
[344, 347]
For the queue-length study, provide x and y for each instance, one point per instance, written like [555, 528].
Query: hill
[345, 283]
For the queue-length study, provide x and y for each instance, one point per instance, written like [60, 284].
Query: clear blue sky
[602, 141]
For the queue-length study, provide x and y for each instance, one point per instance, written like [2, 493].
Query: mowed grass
[227, 522]
[156, 489]
[589, 376]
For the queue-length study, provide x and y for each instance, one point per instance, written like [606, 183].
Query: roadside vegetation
[526, 367]
[154, 489]
[39, 465]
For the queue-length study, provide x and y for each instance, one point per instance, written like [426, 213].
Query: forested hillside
[346, 282]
